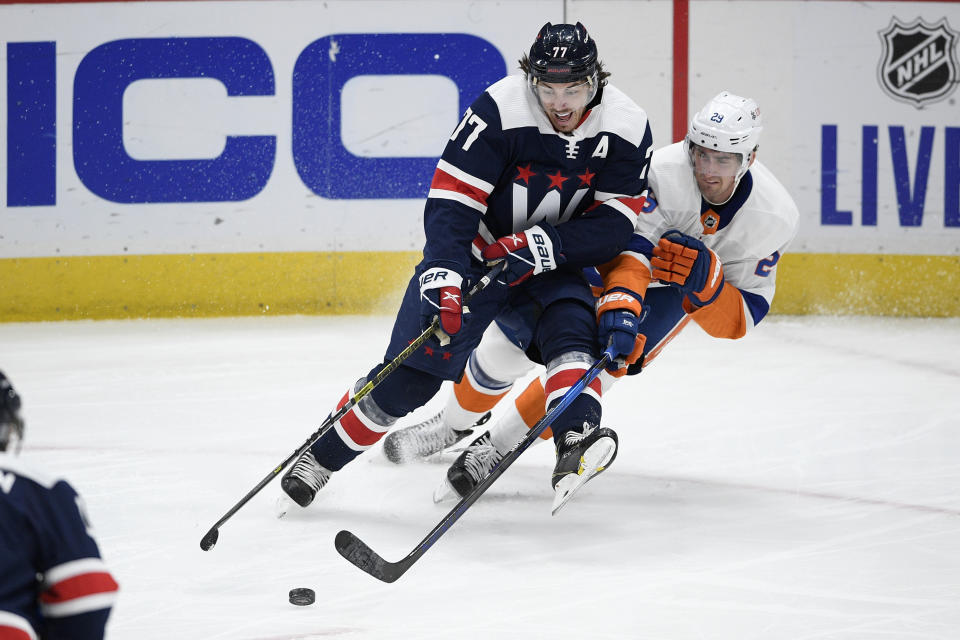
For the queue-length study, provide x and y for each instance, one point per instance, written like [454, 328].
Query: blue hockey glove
[527, 253]
[618, 323]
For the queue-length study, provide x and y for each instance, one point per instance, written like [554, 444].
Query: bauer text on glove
[618, 322]
[527, 253]
[440, 294]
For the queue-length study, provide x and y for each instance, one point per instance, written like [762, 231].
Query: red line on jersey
[635, 204]
[13, 633]
[85, 584]
[445, 181]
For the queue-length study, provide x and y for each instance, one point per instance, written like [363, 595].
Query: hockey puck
[302, 597]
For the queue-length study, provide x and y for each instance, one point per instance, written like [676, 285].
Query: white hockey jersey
[749, 234]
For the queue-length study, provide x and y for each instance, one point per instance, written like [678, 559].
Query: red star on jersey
[556, 180]
[428, 350]
[524, 173]
[586, 178]
[447, 355]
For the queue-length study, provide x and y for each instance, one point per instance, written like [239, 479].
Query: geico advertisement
[141, 128]
[227, 127]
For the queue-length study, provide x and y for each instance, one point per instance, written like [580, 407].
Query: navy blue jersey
[53, 582]
[506, 169]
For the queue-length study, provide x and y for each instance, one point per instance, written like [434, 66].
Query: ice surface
[802, 483]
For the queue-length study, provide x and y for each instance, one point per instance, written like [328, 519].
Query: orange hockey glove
[686, 263]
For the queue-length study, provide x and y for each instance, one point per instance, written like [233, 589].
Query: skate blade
[445, 492]
[592, 463]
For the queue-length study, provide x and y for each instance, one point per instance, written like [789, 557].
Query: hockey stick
[210, 539]
[360, 554]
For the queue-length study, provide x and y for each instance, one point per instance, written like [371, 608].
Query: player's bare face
[716, 173]
[564, 103]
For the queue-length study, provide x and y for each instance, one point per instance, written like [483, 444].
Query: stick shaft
[384, 371]
[365, 558]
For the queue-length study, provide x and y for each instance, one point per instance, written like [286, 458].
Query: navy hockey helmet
[11, 424]
[563, 53]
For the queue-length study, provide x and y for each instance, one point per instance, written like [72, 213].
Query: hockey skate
[424, 439]
[470, 467]
[581, 456]
[304, 480]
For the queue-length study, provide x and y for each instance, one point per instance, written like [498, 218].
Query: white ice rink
[801, 484]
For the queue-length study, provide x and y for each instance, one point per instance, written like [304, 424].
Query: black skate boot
[470, 467]
[305, 479]
[581, 455]
[424, 439]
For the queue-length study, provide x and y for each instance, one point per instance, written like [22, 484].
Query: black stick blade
[363, 557]
[207, 542]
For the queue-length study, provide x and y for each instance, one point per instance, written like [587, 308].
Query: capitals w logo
[538, 195]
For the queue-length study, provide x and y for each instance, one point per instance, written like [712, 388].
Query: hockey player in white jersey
[705, 248]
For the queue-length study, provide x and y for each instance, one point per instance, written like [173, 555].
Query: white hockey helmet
[727, 123]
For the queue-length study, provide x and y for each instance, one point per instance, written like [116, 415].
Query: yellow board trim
[876, 285]
[243, 284]
[203, 285]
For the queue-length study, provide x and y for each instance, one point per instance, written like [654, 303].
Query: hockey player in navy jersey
[546, 171]
[53, 583]
[705, 249]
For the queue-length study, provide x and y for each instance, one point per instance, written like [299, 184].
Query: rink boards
[202, 285]
[239, 158]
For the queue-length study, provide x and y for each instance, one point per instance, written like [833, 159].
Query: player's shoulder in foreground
[29, 471]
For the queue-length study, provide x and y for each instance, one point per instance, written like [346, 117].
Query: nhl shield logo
[710, 221]
[919, 63]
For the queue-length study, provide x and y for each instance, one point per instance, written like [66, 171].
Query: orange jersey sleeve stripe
[724, 317]
[474, 400]
[625, 271]
[653, 353]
